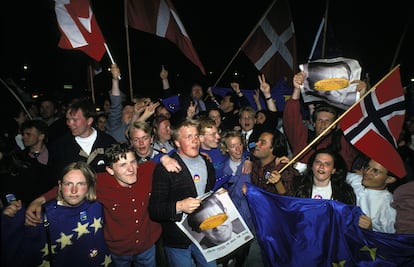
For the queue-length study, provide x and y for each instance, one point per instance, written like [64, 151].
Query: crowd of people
[107, 188]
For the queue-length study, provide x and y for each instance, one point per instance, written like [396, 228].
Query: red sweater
[297, 134]
[128, 228]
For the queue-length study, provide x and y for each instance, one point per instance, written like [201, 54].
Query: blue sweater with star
[76, 237]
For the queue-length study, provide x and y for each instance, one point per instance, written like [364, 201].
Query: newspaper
[239, 233]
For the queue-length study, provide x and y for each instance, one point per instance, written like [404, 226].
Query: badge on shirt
[317, 196]
[83, 216]
[196, 178]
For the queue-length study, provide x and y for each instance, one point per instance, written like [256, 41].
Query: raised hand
[264, 86]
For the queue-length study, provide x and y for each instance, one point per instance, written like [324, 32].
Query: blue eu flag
[172, 103]
[311, 232]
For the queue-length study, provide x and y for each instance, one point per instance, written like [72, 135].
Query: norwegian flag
[272, 46]
[160, 18]
[79, 28]
[374, 123]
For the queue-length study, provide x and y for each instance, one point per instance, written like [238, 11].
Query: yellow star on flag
[372, 252]
[339, 264]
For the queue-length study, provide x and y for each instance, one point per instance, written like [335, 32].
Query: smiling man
[373, 197]
[176, 193]
[83, 143]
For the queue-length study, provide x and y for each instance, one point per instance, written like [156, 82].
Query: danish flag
[79, 28]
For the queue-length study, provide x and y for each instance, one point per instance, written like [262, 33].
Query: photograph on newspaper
[330, 81]
[216, 227]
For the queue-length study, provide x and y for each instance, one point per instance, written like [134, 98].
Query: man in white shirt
[373, 197]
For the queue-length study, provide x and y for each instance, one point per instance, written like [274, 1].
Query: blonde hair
[225, 136]
[185, 123]
[88, 173]
[139, 125]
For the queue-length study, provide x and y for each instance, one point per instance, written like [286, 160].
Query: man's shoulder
[105, 138]
[147, 166]
[353, 176]
[406, 190]
[61, 142]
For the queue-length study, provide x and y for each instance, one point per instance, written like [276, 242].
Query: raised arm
[242, 99]
[298, 81]
[265, 88]
[256, 98]
[164, 78]
[116, 73]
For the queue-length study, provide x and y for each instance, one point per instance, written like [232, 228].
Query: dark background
[364, 30]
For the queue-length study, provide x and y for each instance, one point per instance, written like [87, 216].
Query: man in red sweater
[124, 191]
[298, 134]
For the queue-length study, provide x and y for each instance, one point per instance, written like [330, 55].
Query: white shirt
[86, 143]
[376, 204]
[322, 192]
[248, 133]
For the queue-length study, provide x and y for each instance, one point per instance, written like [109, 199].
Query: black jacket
[167, 189]
[342, 192]
[66, 150]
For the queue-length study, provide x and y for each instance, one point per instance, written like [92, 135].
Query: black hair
[117, 151]
[324, 108]
[40, 125]
[84, 105]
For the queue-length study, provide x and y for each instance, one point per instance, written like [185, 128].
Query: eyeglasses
[374, 171]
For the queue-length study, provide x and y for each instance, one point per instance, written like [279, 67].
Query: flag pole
[397, 52]
[315, 42]
[131, 92]
[293, 160]
[91, 82]
[110, 57]
[17, 98]
[325, 29]
[245, 42]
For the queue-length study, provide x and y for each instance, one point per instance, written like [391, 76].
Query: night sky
[364, 30]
